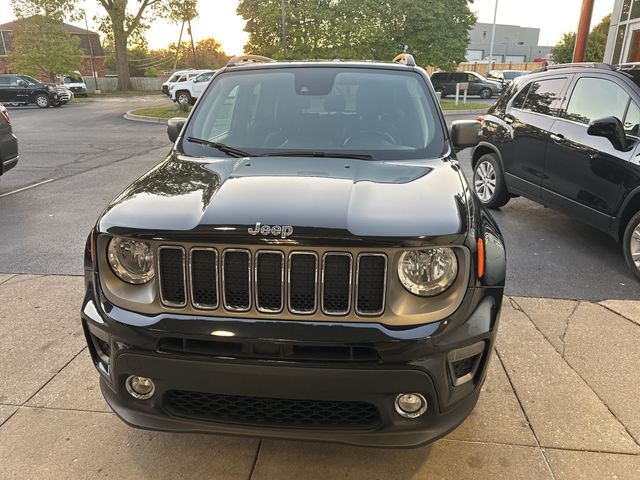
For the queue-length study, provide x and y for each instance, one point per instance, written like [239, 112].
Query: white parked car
[179, 76]
[186, 92]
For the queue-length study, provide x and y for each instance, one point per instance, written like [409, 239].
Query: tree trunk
[122, 59]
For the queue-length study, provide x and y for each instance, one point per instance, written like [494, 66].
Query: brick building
[85, 36]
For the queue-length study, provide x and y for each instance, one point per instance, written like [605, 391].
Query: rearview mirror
[174, 127]
[465, 134]
[610, 128]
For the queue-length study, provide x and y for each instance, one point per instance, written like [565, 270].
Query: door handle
[557, 137]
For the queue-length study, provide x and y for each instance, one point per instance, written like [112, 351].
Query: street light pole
[284, 29]
[493, 34]
[582, 37]
[93, 67]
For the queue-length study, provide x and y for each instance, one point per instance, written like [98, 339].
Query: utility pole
[284, 29]
[193, 48]
[493, 34]
[175, 62]
[93, 67]
[580, 49]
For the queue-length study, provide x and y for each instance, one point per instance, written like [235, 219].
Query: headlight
[428, 272]
[131, 260]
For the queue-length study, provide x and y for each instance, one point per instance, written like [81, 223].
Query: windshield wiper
[311, 153]
[233, 152]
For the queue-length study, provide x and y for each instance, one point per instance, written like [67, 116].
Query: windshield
[174, 77]
[72, 79]
[383, 113]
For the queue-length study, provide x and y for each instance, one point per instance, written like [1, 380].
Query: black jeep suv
[8, 143]
[23, 90]
[307, 262]
[568, 138]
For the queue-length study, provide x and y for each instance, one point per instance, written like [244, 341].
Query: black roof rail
[244, 59]
[557, 66]
[405, 58]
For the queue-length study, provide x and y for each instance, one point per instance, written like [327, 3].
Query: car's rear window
[388, 114]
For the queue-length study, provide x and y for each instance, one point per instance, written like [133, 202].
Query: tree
[563, 51]
[125, 20]
[42, 47]
[436, 31]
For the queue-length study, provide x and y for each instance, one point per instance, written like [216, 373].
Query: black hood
[358, 197]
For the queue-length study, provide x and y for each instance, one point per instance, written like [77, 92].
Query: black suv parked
[445, 83]
[307, 262]
[8, 143]
[23, 89]
[568, 138]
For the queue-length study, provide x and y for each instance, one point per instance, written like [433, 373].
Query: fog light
[410, 405]
[140, 387]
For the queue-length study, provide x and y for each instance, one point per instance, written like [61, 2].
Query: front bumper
[408, 360]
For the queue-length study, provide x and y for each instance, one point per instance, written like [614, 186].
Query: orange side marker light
[480, 258]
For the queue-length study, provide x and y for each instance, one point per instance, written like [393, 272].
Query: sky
[218, 19]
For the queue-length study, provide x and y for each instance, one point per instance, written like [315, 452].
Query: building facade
[512, 44]
[623, 42]
[89, 43]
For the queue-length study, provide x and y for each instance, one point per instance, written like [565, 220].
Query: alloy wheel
[634, 246]
[485, 181]
[183, 99]
[42, 101]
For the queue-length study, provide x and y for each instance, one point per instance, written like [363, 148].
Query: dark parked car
[445, 83]
[8, 143]
[23, 90]
[569, 139]
[308, 262]
[505, 77]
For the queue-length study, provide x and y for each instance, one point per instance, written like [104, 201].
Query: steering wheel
[370, 134]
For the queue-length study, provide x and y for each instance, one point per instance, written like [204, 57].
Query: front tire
[485, 93]
[42, 101]
[631, 245]
[183, 98]
[488, 182]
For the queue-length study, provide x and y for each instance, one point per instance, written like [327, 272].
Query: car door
[200, 83]
[4, 88]
[475, 84]
[584, 174]
[531, 114]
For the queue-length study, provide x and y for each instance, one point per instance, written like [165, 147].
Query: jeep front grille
[270, 281]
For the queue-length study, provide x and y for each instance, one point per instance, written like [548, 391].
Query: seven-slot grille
[301, 282]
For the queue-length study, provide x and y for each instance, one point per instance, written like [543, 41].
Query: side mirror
[465, 134]
[174, 127]
[610, 128]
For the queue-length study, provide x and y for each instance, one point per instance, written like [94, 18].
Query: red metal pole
[580, 49]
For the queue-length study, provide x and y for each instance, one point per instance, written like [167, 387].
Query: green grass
[125, 93]
[451, 105]
[161, 112]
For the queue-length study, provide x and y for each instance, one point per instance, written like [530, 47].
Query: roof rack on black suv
[557, 66]
[243, 59]
[568, 140]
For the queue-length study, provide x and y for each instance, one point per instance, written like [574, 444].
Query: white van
[75, 83]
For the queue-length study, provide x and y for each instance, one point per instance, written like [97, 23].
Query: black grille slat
[204, 286]
[237, 290]
[302, 282]
[371, 284]
[293, 413]
[171, 270]
[269, 281]
[336, 277]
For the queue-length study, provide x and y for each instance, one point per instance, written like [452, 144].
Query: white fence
[107, 84]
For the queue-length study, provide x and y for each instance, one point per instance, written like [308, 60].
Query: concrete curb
[464, 112]
[142, 118]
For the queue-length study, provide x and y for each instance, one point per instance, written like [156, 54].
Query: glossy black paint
[555, 161]
[345, 203]
[8, 144]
